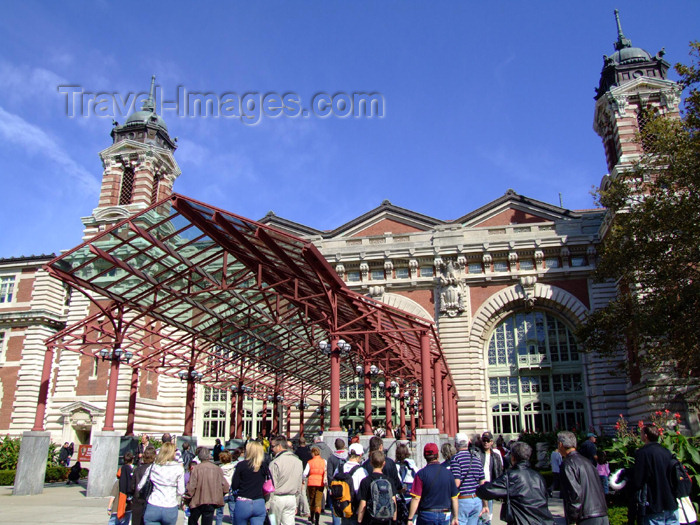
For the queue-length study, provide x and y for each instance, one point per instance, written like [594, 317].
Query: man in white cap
[354, 465]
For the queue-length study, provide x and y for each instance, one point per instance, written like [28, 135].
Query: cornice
[33, 317]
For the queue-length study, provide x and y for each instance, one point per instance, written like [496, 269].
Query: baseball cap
[430, 448]
[356, 449]
[487, 436]
[591, 435]
[461, 436]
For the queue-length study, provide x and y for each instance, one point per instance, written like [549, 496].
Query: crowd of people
[269, 482]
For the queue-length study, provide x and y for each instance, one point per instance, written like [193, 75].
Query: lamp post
[191, 376]
[334, 350]
[240, 390]
[369, 373]
[115, 356]
[301, 406]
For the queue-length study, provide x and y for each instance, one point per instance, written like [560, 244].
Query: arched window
[214, 424]
[534, 374]
[506, 418]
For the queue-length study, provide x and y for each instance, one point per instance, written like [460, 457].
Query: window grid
[7, 289]
[475, 267]
[214, 424]
[127, 190]
[402, 273]
[377, 275]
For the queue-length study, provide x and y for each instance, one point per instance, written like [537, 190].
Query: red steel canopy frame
[186, 286]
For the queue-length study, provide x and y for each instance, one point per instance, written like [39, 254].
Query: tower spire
[150, 103]
[622, 41]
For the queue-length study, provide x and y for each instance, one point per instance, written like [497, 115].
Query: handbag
[147, 488]
[268, 487]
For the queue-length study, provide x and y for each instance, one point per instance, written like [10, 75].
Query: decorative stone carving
[438, 263]
[413, 267]
[618, 104]
[451, 292]
[670, 98]
[364, 270]
[340, 270]
[376, 292]
[487, 260]
[527, 288]
[461, 262]
[388, 267]
[539, 257]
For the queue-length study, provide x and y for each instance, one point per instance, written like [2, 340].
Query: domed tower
[633, 86]
[139, 167]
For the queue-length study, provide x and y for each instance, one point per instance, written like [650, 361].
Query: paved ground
[67, 504]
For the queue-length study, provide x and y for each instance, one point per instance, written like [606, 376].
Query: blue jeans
[432, 518]
[124, 521]
[220, 510]
[249, 511]
[336, 519]
[156, 515]
[667, 517]
[469, 510]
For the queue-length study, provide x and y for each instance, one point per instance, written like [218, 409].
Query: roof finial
[150, 103]
[622, 42]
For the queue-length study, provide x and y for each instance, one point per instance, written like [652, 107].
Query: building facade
[506, 285]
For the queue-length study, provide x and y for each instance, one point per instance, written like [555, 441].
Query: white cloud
[15, 130]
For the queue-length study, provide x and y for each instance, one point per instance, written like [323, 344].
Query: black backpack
[679, 479]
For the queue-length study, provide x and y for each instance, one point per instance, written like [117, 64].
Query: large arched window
[214, 424]
[535, 375]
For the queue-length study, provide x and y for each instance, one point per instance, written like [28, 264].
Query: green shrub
[617, 515]
[9, 453]
[56, 473]
[7, 477]
[84, 473]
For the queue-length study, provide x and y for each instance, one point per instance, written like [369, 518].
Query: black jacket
[651, 465]
[527, 492]
[496, 467]
[390, 471]
[581, 489]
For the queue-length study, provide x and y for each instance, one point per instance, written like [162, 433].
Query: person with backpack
[187, 456]
[652, 464]
[377, 498]
[345, 486]
[407, 469]
[435, 493]
[390, 470]
[338, 458]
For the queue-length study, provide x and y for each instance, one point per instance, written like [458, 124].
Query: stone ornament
[451, 292]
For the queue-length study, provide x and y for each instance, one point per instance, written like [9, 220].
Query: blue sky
[479, 97]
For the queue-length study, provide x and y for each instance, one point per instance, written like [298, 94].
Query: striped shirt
[468, 468]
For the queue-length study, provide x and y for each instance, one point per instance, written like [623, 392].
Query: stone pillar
[104, 461]
[423, 437]
[31, 467]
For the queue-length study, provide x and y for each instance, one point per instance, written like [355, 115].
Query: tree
[652, 248]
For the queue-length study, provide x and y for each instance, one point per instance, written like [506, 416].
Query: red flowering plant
[627, 440]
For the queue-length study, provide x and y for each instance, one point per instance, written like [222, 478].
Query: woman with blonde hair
[247, 482]
[168, 480]
[315, 474]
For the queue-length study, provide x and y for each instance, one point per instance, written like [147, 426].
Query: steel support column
[288, 421]
[275, 416]
[43, 390]
[448, 407]
[240, 397]
[426, 380]
[301, 417]
[263, 422]
[335, 386]
[439, 408]
[368, 402]
[402, 416]
[412, 416]
[111, 395]
[131, 414]
[388, 423]
[189, 404]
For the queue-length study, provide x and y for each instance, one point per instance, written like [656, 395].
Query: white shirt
[168, 484]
